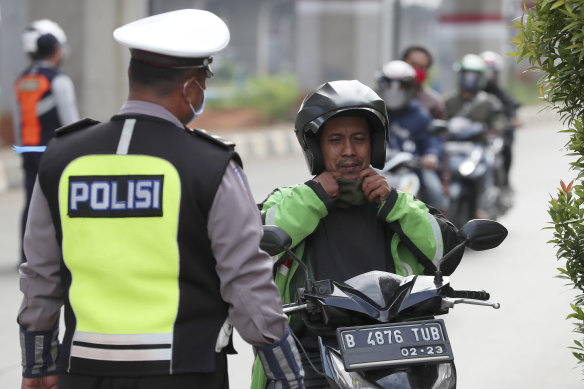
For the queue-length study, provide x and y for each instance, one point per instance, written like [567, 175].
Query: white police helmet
[180, 39]
[41, 37]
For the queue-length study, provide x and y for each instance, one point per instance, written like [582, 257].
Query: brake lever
[448, 302]
[289, 308]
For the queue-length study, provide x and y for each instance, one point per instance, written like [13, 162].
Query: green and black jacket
[418, 235]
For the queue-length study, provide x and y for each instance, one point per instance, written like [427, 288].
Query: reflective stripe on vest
[124, 347]
[29, 90]
[119, 216]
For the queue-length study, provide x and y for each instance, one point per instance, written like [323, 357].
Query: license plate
[374, 346]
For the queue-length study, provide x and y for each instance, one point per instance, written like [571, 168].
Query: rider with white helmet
[409, 123]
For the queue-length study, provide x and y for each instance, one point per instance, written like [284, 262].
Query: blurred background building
[312, 41]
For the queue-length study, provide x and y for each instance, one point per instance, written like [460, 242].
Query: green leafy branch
[551, 38]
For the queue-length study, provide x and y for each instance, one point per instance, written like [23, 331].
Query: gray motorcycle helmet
[347, 97]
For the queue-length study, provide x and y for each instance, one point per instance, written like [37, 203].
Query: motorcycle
[378, 329]
[472, 153]
[496, 143]
[402, 168]
[401, 171]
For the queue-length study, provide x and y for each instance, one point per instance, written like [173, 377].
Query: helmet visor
[470, 81]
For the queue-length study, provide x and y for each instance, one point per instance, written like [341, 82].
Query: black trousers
[215, 380]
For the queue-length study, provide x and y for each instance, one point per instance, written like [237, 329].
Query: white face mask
[395, 97]
[199, 111]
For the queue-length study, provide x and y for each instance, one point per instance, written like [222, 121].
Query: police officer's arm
[41, 285]
[245, 272]
[64, 93]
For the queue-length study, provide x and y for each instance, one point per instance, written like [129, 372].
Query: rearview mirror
[482, 234]
[275, 240]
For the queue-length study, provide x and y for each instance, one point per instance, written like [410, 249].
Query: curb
[263, 142]
[250, 143]
[11, 174]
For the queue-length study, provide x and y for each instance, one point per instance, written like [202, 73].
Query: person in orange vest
[45, 97]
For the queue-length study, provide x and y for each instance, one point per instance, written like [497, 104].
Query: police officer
[148, 234]
[45, 97]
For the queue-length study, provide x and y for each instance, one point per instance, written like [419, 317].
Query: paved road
[522, 345]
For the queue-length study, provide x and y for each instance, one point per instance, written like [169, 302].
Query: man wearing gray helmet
[146, 232]
[346, 220]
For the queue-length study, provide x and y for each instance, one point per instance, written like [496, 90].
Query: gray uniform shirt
[234, 229]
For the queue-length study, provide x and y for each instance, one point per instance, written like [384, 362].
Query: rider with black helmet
[346, 220]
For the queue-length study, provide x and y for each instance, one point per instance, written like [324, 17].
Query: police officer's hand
[375, 186]
[328, 180]
[48, 382]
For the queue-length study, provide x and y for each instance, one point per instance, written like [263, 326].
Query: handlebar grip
[471, 294]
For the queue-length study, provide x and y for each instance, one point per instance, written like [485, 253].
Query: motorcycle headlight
[348, 379]
[446, 377]
[466, 168]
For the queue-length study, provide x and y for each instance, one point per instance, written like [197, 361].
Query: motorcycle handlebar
[293, 307]
[471, 294]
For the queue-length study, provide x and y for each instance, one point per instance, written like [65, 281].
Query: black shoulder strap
[81, 124]
[429, 267]
[217, 140]
[212, 138]
[390, 261]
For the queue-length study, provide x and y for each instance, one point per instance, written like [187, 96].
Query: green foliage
[551, 38]
[275, 97]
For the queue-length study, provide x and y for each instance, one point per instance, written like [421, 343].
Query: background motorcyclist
[409, 123]
[470, 101]
[421, 60]
[346, 220]
[495, 64]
